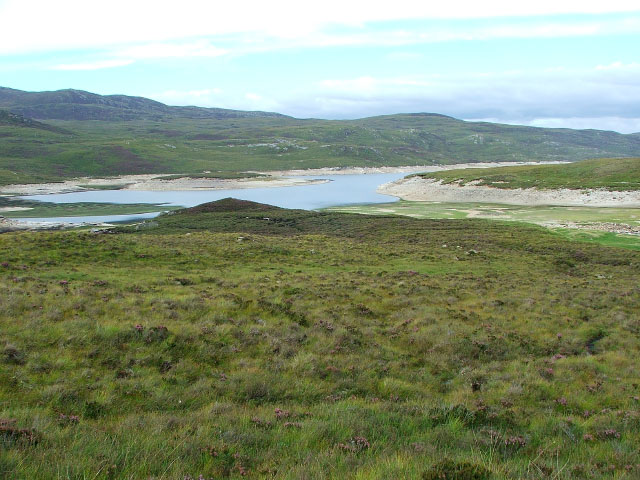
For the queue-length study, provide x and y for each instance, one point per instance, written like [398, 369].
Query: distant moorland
[49, 136]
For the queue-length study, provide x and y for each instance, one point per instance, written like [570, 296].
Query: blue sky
[544, 64]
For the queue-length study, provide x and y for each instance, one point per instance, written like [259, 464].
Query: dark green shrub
[453, 470]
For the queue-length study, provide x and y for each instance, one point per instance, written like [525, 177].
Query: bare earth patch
[624, 228]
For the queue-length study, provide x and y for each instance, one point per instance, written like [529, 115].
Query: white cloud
[216, 97]
[45, 25]
[97, 65]
[200, 48]
[207, 97]
[617, 124]
[128, 55]
[588, 98]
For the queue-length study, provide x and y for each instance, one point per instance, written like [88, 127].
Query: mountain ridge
[72, 104]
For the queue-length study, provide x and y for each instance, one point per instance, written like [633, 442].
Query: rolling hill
[72, 104]
[83, 133]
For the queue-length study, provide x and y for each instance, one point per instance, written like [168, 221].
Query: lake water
[340, 190]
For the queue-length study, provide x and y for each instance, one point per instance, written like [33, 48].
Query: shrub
[453, 470]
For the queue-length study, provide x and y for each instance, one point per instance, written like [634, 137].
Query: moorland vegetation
[238, 340]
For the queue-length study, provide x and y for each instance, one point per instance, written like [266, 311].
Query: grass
[234, 339]
[552, 216]
[616, 174]
[78, 209]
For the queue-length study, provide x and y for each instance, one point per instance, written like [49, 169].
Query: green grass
[551, 216]
[615, 174]
[292, 344]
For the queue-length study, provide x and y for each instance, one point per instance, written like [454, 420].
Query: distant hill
[76, 133]
[80, 105]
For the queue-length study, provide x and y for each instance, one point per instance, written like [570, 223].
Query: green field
[120, 135]
[552, 216]
[614, 174]
[235, 339]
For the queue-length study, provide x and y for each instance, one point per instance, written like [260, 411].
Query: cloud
[200, 48]
[97, 65]
[602, 98]
[153, 51]
[45, 25]
[218, 98]
[207, 97]
[622, 125]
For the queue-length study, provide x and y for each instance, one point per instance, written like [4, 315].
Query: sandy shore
[276, 178]
[152, 183]
[10, 225]
[430, 190]
[405, 169]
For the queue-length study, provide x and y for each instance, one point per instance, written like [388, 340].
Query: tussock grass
[339, 346]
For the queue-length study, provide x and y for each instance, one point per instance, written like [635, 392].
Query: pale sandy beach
[151, 183]
[430, 190]
[277, 178]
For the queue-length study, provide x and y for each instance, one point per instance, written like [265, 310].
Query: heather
[237, 340]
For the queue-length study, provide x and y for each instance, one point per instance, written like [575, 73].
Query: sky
[543, 63]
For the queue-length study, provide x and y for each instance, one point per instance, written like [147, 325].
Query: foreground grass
[608, 173]
[233, 340]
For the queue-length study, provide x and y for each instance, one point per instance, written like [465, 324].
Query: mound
[229, 205]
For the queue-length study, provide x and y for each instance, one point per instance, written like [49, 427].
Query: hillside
[80, 105]
[10, 119]
[238, 340]
[116, 134]
[605, 173]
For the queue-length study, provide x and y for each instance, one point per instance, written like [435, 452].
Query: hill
[237, 339]
[80, 105]
[116, 134]
[611, 174]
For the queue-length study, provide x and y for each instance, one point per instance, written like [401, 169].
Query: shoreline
[151, 183]
[431, 190]
[275, 178]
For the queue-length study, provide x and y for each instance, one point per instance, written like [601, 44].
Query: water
[340, 190]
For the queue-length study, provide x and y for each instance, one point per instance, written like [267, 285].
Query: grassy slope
[277, 348]
[540, 215]
[175, 144]
[607, 173]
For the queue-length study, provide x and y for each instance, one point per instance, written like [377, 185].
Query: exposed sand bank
[405, 169]
[152, 183]
[277, 178]
[430, 190]
[10, 225]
